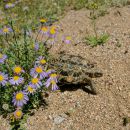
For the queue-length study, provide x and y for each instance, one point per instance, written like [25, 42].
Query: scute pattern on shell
[75, 70]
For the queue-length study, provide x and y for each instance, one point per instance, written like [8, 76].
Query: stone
[58, 120]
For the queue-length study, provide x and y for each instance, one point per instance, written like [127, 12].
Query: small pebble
[58, 120]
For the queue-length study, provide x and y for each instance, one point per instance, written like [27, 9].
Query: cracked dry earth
[78, 110]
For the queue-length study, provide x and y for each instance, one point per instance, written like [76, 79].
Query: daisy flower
[18, 70]
[20, 98]
[18, 114]
[53, 84]
[38, 71]
[3, 57]
[3, 79]
[9, 5]
[36, 82]
[6, 30]
[30, 88]
[52, 80]
[42, 20]
[41, 60]
[52, 32]
[16, 80]
[49, 71]
[53, 76]
[67, 39]
[44, 30]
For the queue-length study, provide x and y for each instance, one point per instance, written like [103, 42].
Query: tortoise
[75, 72]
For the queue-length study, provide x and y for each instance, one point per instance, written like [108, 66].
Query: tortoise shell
[75, 71]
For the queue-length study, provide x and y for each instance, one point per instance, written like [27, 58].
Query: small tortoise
[75, 72]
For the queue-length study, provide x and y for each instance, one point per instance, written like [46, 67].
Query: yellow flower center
[17, 69]
[44, 29]
[53, 82]
[35, 80]
[43, 20]
[1, 78]
[42, 61]
[18, 113]
[30, 89]
[16, 78]
[1, 56]
[5, 30]
[68, 38]
[53, 75]
[39, 69]
[53, 30]
[19, 96]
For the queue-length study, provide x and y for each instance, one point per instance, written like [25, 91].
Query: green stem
[6, 38]
[16, 43]
[95, 31]
[26, 49]
[38, 34]
[94, 23]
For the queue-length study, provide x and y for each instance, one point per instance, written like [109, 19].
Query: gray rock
[58, 120]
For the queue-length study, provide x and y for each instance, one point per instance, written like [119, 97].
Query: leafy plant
[24, 71]
[94, 41]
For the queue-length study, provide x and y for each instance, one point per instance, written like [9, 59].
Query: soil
[78, 109]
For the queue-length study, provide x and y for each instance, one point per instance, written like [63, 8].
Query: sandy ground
[78, 110]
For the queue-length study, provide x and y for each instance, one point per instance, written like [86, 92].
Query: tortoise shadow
[86, 87]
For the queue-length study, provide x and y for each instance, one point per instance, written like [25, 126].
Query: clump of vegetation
[24, 71]
[95, 40]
